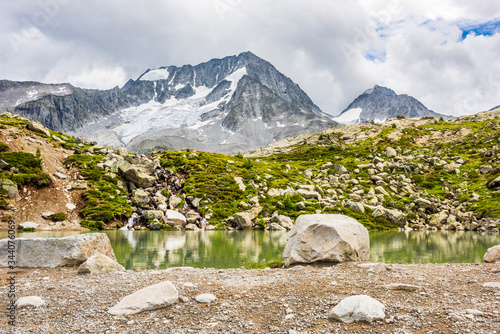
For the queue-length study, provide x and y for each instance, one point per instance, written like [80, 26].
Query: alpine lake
[256, 249]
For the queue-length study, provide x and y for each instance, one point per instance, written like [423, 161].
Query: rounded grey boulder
[326, 238]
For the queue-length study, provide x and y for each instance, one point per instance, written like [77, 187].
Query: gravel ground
[295, 300]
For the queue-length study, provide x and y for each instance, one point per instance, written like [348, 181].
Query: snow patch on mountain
[173, 113]
[154, 75]
[350, 116]
[235, 77]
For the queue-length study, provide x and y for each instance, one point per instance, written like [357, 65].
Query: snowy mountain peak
[380, 103]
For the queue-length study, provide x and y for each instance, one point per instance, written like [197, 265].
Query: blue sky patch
[375, 55]
[488, 28]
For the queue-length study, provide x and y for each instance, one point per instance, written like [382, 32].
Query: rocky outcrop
[358, 308]
[326, 238]
[153, 297]
[57, 252]
[98, 263]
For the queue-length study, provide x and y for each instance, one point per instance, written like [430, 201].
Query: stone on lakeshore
[326, 238]
[28, 225]
[358, 308]
[175, 218]
[152, 214]
[151, 298]
[191, 227]
[492, 254]
[34, 301]
[98, 263]
[286, 222]
[57, 252]
[438, 219]
[192, 216]
[244, 219]
[205, 298]
[492, 285]
[276, 227]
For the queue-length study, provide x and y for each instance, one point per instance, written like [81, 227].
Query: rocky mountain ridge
[380, 103]
[406, 173]
[226, 105]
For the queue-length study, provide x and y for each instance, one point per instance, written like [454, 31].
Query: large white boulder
[358, 308]
[151, 298]
[56, 252]
[492, 254]
[326, 238]
[98, 263]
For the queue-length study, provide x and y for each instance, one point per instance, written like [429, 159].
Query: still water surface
[234, 249]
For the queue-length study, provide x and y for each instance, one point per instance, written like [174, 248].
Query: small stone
[79, 185]
[184, 299]
[401, 286]
[191, 227]
[205, 298]
[71, 206]
[61, 176]
[390, 152]
[474, 312]
[358, 308]
[151, 298]
[34, 301]
[98, 263]
[491, 285]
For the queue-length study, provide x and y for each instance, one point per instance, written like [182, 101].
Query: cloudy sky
[445, 53]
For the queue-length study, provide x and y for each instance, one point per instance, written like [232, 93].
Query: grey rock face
[380, 103]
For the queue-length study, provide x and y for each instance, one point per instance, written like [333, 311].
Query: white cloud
[322, 45]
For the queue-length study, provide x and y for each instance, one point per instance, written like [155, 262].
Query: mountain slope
[380, 103]
[227, 105]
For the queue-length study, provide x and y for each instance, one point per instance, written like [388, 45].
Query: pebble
[205, 298]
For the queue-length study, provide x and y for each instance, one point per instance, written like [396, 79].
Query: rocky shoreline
[447, 298]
